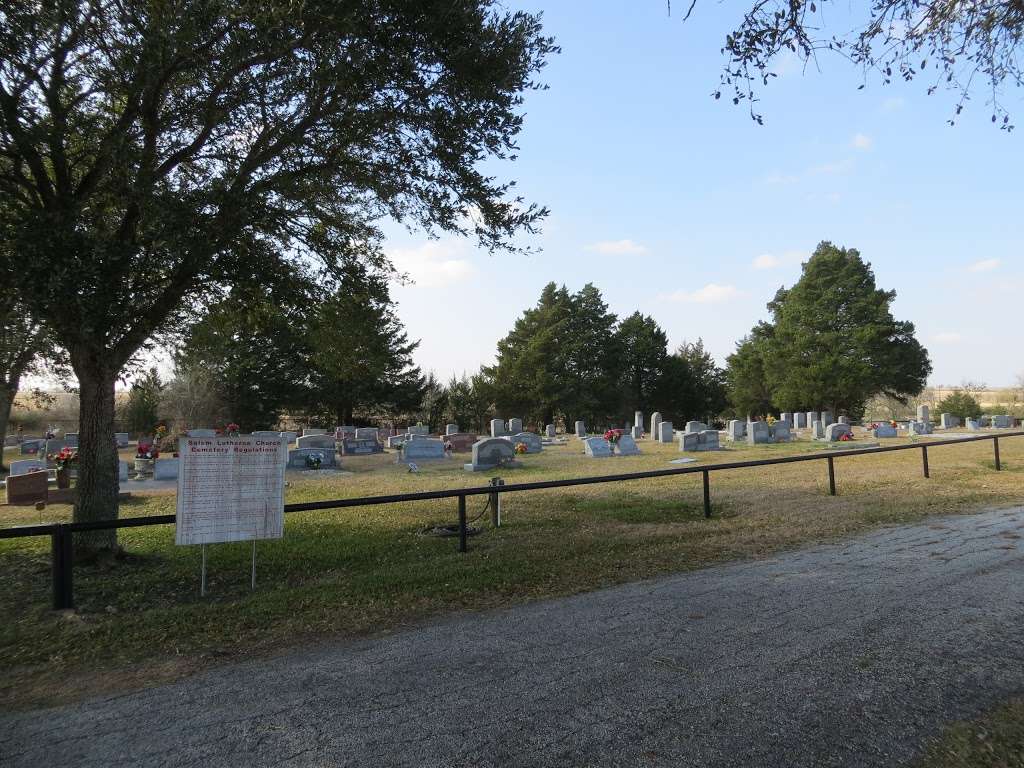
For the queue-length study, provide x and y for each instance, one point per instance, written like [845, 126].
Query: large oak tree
[151, 150]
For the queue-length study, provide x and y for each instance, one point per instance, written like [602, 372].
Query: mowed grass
[994, 740]
[350, 572]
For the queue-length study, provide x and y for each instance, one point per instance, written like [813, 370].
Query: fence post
[995, 445]
[924, 459]
[495, 498]
[462, 522]
[831, 477]
[63, 557]
[707, 494]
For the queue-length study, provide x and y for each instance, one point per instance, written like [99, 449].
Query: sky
[682, 207]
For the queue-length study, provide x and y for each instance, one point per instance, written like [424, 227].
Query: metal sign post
[202, 577]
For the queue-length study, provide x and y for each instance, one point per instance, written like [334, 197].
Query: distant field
[365, 570]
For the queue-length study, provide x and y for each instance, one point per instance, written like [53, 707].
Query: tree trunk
[8, 391]
[98, 484]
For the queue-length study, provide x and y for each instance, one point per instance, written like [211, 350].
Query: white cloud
[893, 104]
[861, 141]
[948, 337]
[774, 261]
[712, 293]
[617, 248]
[985, 265]
[434, 264]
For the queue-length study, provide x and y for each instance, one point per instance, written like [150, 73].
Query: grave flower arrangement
[845, 437]
[66, 459]
[613, 435]
[520, 448]
[147, 450]
[314, 461]
[232, 430]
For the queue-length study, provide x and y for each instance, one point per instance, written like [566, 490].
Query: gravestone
[705, 440]
[550, 431]
[626, 446]
[919, 427]
[424, 449]
[826, 418]
[786, 417]
[735, 430]
[165, 469]
[461, 442]
[71, 438]
[597, 447]
[498, 428]
[655, 421]
[844, 420]
[367, 433]
[986, 421]
[201, 433]
[638, 419]
[884, 430]
[759, 433]
[1002, 421]
[24, 466]
[53, 447]
[419, 429]
[297, 457]
[10, 441]
[397, 441]
[818, 430]
[360, 446]
[27, 489]
[491, 453]
[529, 439]
[812, 416]
[266, 434]
[922, 414]
[949, 421]
[451, 429]
[122, 471]
[695, 426]
[322, 441]
[31, 447]
[799, 421]
[515, 426]
[289, 437]
[345, 430]
[636, 432]
[122, 439]
[665, 432]
[780, 432]
[581, 429]
[973, 424]
[308, 431]
[835, 432]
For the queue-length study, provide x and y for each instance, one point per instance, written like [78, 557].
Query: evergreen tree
[746, 381]
[142, 410]
[644, 347]
[960, 404]
[707, 395]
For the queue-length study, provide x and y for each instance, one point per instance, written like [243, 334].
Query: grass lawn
[995, 740]
[351, 572]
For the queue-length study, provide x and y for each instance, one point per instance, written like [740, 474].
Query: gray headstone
[812, 416]
[826, 418]
[665, 432]
[165, 469]
[497, 427]
[549, 430]
[425, 449]
[419, 429]
[122, 471]
[735, 430]
[397, 440]
[451, 429]
[799, 421]
[949, 421]
[627, 445]
[515, 426]
[266, 434]
[323, 442]
[843, 420]
[818, 430]
[71, 438]
[636, 432]
[922, 413]
[344, 430]
[780, 432]
[759, 433]
[597, 447]
[201, 433]
[696, 426]
[833, 432]
[122, 439]
[297, 457]
[973, 424]
[655, 421]
[638, 419]
[689, 441]
[491, 453]
[307, 431]
[709, 440]
[24, 466]
[919, 427]
[787, 417]
[367, 433]
[32, 447]
[290, 437]
[1002, 421]
[530, 439]
[54, 446]
[581, 429]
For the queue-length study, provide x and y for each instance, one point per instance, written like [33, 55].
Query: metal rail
[63, 548]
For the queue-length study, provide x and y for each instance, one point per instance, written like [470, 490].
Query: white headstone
[322, 442]
[735, 430]
[497, 427]
[638, 419]
[922, 413]
[799, 421]
[515, 426]
[581, 429]
[696, 426]
[451, 429]
[655, 421]
[758, 433]
[665, 432]
[949, 421]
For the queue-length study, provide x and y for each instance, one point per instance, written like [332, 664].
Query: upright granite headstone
[655, 421]
[638, 419]
[1002, 421]
[491, 453]
[427, 449]
[451, 429]
[735, 430]
[759, 433]
[297, 458]
[695, 426]
[550, 431]
[780, 432]
[787, 417]
[419, 429]
[266, 434]
[307, 431]
[122, 439]
[812, 416]
[71, 438]
[973, 424]
[24, 466]
[581, 429]
[949, 421]
[826, 418]
[597, 447]
[323, 442]
[799, 421]
[498, 428]
[884, 430]
[28, 489]
[290, 437]
[843, 420]
[922, 413]
[165, 469]
[529, 439]
[461, 442]
[360, 446]
[515, 426]
[818, 430]
[919, 427]
[201, 433]
[31, 447]
[665, 432]
[626, 446]
[835, 432]
[636, 432]
[367, 433]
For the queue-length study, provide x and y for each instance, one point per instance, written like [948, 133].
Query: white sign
[230, 489]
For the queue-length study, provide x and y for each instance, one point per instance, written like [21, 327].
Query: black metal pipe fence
[62, 541]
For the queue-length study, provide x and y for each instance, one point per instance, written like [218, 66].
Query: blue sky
[682, 207]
